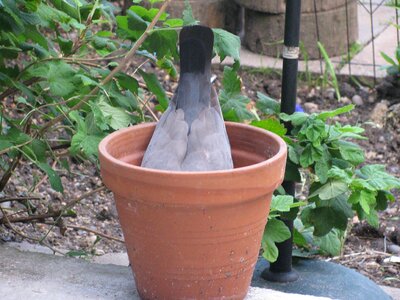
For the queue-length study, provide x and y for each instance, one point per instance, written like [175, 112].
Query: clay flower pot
[193, 235]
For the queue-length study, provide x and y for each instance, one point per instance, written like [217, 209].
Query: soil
[365, 248]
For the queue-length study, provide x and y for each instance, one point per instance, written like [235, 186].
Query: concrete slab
[362, 63]
[393, 292]
[255, 60]
[382, 18]
[37, 275]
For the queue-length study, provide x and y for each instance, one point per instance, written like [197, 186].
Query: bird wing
[168, 145]
[208, 145]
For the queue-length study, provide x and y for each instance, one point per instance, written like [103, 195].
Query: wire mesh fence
[378, 30]
[353, 33]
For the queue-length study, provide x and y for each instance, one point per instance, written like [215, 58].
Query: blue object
[299, 108]
[323, 279]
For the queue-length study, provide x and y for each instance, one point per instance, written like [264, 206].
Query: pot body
[193, 235]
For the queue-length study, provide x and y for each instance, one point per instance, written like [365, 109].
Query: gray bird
[191, 134]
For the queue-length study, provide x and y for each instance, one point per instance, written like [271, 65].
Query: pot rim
[107, 156]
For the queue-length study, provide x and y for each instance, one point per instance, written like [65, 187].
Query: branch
[28, 237]
[123, 65]
[19, 199]
[83, 196]
[56, 214]
[15, 146]
[96, 233]
[13, 90]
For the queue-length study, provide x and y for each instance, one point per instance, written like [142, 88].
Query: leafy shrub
[324, 158]
[65, 64]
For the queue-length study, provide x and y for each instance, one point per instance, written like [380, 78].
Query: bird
[191, 133]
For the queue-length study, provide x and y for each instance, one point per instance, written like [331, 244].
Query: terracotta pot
[193, 235]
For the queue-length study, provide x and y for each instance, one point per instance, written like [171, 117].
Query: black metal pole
[281, 270]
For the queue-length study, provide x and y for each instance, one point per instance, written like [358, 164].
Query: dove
[191, 134]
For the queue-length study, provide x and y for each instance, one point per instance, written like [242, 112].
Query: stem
[123, 65]
[145, 104]
[15, 147]
[56, 214]
[13, 90]
[19, 199]
[9, 171]
[143, 86]
[83, 196]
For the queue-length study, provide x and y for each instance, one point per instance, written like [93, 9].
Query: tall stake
[281, 270]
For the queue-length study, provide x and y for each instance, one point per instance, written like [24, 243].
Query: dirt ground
[365, 249]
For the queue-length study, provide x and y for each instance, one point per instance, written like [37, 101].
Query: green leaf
[388, 59]
[309, 155]
[330, 114]
[297, 119]
[330, 68]
[226, 44]
[60, 76]
[173, 23]
[293, 154]
[331, 189]
[366, 199]
[325, 218]
[275, 232]
[127, 82]
[330, 243]
[350, 152]
[77, 253]
[382, 200]
[39, 148]
[87, 138]
[272, 125]
[99, 118]
[378, 178]
[373, 219]
[162, 43]
[315, 132]
[267, 105]
[155, 87]
[116, 117]
[281, 203]
[187, 15]
[299, 239]
[167, 65]
[342, 174]
[135, 22]
[231, 81]
[292, 172]
[233, 104]
[65, 45]
[69, 7]
[321, 170]
[54, 179]
[339, 204]
[234, 108]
